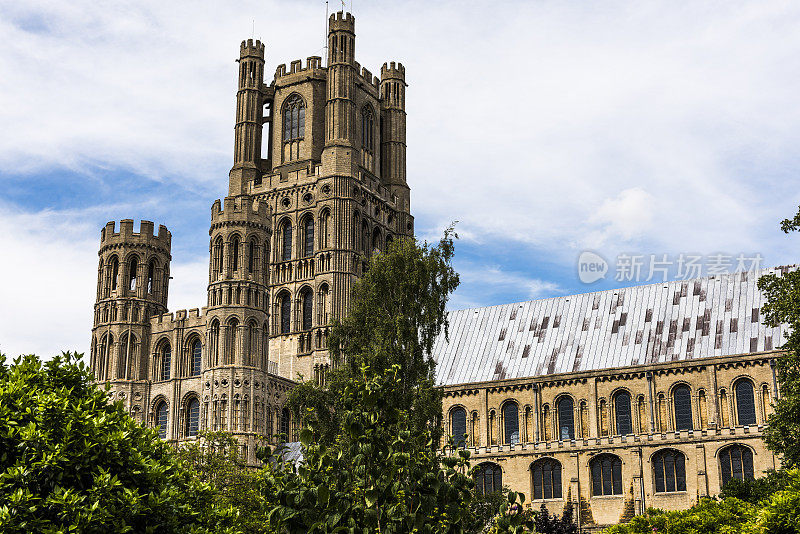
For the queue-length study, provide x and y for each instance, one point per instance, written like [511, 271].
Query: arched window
[286, 424]
[114, 272]
[606, 475]
[308, 237]
[192, 417]
[745, 403]
[252, 343]
[151, 276]
[294, 118]
[127, 348]
[230, 341]
[132, 268]
[488, 478]
[458, 426]
[365, 236]
[622, 413]
[307, 300]
[322, 305]
[285, 304]
[234, 258]
[324, 221]
[286, 241]
[566, 418]
[162, 412]
[511, 422]
[252, 255]
[377, 246]
[682, 400]
[214, 340]
[736, 462]
[367, 130]
[197, 354]
[546, 479]
[669, 471]
[166, 361]
[216, 261]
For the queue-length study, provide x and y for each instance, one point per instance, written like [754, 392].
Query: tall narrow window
[324, 220]
[511, 422]
[745, 403]
[162, 413]
[566, 419]
[642, 415]
[286, 420]
[308, 309]
[114, 272]
[286, 241]
[669, 471]
[703, 406]
[151, 276]
[458, 426]
[132, 268]
[197, 355]
[723, 408]
[217, 257]
[308, 237]
[368, 130]
[252, 249]
[294, 118]
[214, 340]
[234, 259]
[683, 408]
[546, 479]
[488, 478]
[166, 361]
[765, 402]
[736, 462]
[286, 313]
[622, 413]
[231, 341]
[192, 417]
[606, 475]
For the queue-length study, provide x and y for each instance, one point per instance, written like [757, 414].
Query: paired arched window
[294, 118]
[736, 462]
[285, 304]
[162, 413]
[368, 129]
[669, 471]
[166, 361]
[606, 475]
[511, 422]
[197, 355]
[566, 418]
[546, 479]
[488, 478]
[458, 426]
[192, 417]
[133, 266]
[286, 241]
[622, 413]
[308, 236]
[307, 303]
[682, 399]
[745, 402]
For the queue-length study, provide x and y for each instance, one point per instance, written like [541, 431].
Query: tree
[70, 461]
[783, 307]
[553, 524]
[709, 516]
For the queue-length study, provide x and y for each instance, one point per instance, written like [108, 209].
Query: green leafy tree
[72, 462]
[756, 490]
[781, 513]
[783, 307]
[709, 516]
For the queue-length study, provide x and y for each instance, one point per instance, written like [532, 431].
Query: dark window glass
[547, 479]
[193, 417]
[294, 119]
[683, 408]
[114, 272]
[566, 419]
[458, 425]
[488, 478]
[606, 475]
[235, 254]
[134, 266]
[308, 241]
[151, 273]
[511, 422]
[286, 314]
[197, 354]
[285, 424]
[161, 419]
[622, 412]
[745, 403]
[286, 238]
[308, 309]
[166, 361]
[367, 131]
[736, 461]
[669, 471]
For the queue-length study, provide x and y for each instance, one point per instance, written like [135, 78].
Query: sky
[547, 129]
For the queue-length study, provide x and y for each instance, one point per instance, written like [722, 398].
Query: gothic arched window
[114, 272]
[511, 422]
[308, 237]
[488, 478]
[234, 257]
[286, 241]
[368, 129]
[566, 418]
[606, 475]
[132, 268]
[286, 424]
[682, 400]
[458, 426]
[324, 221]
[622, 413]
[669, 471]
[252, 255]
[285, 303]
[294, 118]
[231, 335]
[745, 402]
[192, 417]
[546, 475]
[151, 276]
[166, 361]
[736, 462]
[162, 413]
[307, 302]
[197, 354]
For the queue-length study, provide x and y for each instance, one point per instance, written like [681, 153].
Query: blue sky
[545, 128]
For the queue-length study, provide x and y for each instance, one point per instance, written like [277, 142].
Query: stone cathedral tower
[303, 215]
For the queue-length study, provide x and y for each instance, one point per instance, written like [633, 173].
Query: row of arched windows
[226, 342]
[236, 257]
[191, 418]
[605, 472]
[118, 360]
[366, 241]
[303, 310]
[306, 243]
[162, 359]
[625, 413]
[132, 277]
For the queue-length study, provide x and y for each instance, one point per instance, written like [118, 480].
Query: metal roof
[679, 320]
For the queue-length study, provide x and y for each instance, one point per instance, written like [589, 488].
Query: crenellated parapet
[110, 238]
[341, 21]
[313, 63]
[251, 48]
[239, 210]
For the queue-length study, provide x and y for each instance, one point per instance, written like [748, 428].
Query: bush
[755, 491]
[781, 513]
[709, 516]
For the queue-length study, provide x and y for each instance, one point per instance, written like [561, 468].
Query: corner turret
[249, 118]
[393, 132]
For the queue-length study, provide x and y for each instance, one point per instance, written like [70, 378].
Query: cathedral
[613, 401]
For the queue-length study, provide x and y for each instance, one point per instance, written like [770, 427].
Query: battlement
[393, 71]
[341, 21]
[249, 48]
[241, 208]
[126, 235]
[312, 63]
[167, 322]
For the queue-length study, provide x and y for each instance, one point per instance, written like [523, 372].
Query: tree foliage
[72, 462]
[783, 307]
[709, 516]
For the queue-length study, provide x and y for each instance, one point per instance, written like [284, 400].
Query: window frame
[672, 477]
[552, 484]
[609, 468]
